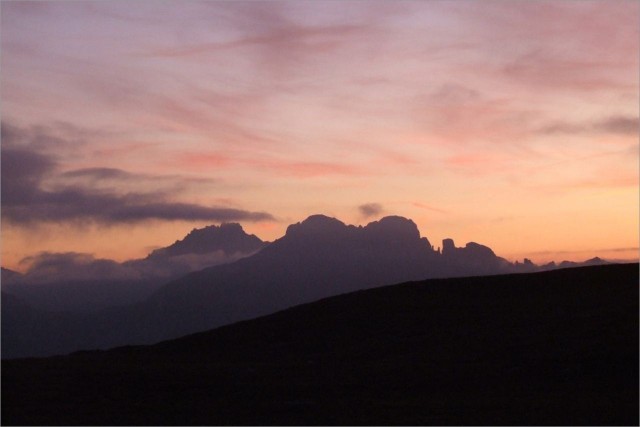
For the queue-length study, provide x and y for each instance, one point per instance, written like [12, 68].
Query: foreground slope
[557, 347]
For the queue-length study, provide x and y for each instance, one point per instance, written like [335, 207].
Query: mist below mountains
[67, 302]
[79, 282]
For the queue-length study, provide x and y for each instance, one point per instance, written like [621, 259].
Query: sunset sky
[509, 123]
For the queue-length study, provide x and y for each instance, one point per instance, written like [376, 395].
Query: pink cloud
[270, 165]
[205, 161]
[123, 149]
[459, 115]
[543, 69]
[307, 169]
[559, 46]
[311, 38]
[480, 164]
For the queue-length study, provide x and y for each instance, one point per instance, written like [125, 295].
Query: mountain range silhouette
[316, 258]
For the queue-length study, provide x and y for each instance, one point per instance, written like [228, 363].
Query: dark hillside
[558, 347]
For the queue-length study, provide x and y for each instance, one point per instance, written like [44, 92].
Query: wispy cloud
[114, 178]
[623, 125]
[312, 169]
[540, 68]
[597, 250]
[320, 38]
[430, 207]
[272, 165]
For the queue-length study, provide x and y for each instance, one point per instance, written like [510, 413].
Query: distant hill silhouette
[316, 258]
[8, 276]
[24, 327]
[552, 348]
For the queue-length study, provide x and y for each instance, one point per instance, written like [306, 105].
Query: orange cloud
[473, 163]
[429, 207]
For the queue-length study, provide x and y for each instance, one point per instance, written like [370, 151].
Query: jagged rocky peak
[477, 248]
[228, 237]
[470, 249]
[595, 261]
[209, 230]
[448, 246]
[316, 224]
[394, 226]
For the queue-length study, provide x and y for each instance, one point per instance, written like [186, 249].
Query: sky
[512, 124]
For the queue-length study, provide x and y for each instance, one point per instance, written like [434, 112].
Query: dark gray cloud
[182, 211]
[25, 200]
[623, 125]
[620, 124]
[369, 210]
[79, 204]
[54, 140]
[99, 173]
[22, 171]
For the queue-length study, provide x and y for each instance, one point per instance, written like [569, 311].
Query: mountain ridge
[316, 258]
[227, 237]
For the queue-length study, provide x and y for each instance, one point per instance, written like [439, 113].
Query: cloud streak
[621, 125]
[79, 205]
[25, 201]
[295, 37]
[124, 181]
